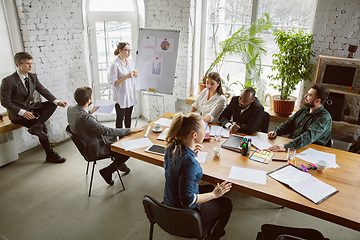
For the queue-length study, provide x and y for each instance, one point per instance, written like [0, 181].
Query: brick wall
[52, 33]
[336, 26]
[172, 14]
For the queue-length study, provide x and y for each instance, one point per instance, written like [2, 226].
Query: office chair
[180, 222]
[275, 232]
[330, 143]
[264, 125]
[80, 147]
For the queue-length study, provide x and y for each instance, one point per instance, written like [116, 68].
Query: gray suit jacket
[95, 137]
[14, 96]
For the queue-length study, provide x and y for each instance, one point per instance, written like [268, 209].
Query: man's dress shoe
[107, 175]
[37, 129]
[54, 157]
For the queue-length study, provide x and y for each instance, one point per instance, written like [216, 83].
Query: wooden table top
[343, 208]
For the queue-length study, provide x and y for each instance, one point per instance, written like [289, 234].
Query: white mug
[321, 165]
[217, 151]
[157, 126]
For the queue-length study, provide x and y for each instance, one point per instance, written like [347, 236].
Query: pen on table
[206, 127]
[279, 160]
[147, 132]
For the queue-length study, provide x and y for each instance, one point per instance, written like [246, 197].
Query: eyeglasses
[128, 50]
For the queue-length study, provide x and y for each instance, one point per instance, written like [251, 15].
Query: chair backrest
[264, 125]
[179, 222]
[272, 232]
[288, 237]
[76, 141]
[330, 143]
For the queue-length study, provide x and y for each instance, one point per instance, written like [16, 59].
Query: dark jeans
[216, 209]
[122, 113]
[45, 112]
[119, 159]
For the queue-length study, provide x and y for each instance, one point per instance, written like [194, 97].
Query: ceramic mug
[321, 165]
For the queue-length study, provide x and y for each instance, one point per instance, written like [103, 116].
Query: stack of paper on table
[248, 175]
[136, 143]
[313, 156]
[164, 122]
[224, 132]
[303, 183]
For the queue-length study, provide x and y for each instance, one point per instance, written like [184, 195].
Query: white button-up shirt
[212, 107]
[125, 93]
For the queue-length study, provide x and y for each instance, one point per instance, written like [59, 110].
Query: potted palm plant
[248, 46]
[292, 64]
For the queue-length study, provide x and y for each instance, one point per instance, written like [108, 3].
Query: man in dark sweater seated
[246, 112]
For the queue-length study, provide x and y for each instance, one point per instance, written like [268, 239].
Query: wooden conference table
[343, 208]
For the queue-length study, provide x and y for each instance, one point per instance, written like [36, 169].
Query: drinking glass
[291, 156]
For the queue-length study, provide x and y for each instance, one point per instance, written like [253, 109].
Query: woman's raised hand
[197, 148]
[221, 189]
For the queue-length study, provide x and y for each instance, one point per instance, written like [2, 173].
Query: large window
[224, 17]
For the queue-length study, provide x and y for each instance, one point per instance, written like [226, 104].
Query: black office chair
[264, 125]
[80, 147]
[330, 143]
[275, 232]
[180, 222]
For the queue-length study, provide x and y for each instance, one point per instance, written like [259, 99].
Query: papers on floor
[258, 142]
[163, 135]
[164, 122]
[136, 143]
[303, 183]
[201, 157]
[313, 156]
[105, 107]
[224, 132]
[248, 175]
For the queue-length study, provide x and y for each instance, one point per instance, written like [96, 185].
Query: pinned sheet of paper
[248, 175]
[201, 157]
[136, 143]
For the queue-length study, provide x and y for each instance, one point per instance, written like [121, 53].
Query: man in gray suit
[96, 137]
[16, 96]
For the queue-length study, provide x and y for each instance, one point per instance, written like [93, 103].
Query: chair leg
[92, 176]
[87, 168]
[151, 231]
[121, 179]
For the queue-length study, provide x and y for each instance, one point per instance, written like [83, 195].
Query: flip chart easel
[153, 94]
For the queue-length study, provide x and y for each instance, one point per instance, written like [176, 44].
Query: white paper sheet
[163, 135]
[164, 122]
[136, 143]
[201, 157]
[105, 107]
[248, 175]
[313, 156]
[224, 133]
[258, 142]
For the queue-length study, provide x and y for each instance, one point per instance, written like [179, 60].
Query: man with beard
[246, 111]
[311, 124]
[96, 137]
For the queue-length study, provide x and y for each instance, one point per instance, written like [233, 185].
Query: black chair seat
[179, 222]
[275, 232]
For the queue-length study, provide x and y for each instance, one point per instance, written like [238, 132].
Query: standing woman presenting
[122, 77]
